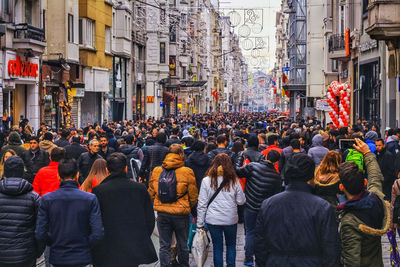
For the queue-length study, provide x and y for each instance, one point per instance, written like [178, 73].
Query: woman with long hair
[326, 178]
[220, 194]
[96, 175]
[6, 155]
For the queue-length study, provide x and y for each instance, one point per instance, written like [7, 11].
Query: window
[108, 39]
[172, 3]
[183, 20]
[129, 28]
[162, 53]
[172, 33]
[335, 65]
[86, 32]
[364, 8]
[114, 24]
[184, 73]
[70, 28]
[28, 12]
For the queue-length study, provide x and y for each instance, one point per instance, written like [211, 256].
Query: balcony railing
[336, 42]
[26, 31]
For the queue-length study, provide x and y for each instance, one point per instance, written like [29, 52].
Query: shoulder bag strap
[215, 195]
[397, 183]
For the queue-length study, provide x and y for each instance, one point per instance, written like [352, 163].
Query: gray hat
[371, 135]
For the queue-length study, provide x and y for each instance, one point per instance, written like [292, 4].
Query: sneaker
[248, 263]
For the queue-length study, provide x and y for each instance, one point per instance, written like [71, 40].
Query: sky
[262, 58]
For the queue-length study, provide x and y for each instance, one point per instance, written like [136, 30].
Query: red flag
[287, 93]
[215, 94]
[284, 78]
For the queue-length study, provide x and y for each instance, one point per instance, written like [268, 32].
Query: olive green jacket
[361, 244]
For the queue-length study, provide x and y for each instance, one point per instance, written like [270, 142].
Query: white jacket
[223, 210]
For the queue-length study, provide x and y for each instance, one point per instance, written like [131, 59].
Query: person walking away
[386, 162]
[154, 156]
[251, 154]
[134, 156]
[365, 216]
[173, 199]
[326, 180]
[75, 149]
[317, 152]
[69, 220]
[34, 159]
[63, 141]
[47, 142]
[105, 149]
[87, 159]
[14, 143]
[18, 247]
[174, 138]
[97, 174]
[198, 161]
[222, 143]
[295, 148]
[262, 182]
[220, 194]
[128, 219]
[370, 138]
[273, 141]
[46, 180]
[6, 155]
[295, 227]
[392, 142]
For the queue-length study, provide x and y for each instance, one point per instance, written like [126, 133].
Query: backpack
[167, 183]
[356, 157]
[396, 207]
[135, 165]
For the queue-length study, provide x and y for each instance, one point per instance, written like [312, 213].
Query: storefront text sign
[19, 68]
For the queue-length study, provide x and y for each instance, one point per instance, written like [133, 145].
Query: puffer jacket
[318, 151]
[153, 157]
[213, 153]
[18, 211]
[363, 220]
[252, 154]
[47, 145]
[14, 143]
[187, 192]
[223, 209]
[262, 182]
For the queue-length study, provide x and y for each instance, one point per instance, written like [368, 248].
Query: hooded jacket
[18, 211]
[318, 151]
[326, 186]
[363, 220]
[263, 181]
[47, 145]
[199, 162]
[392, 145]
[14, 143]
[186, 188]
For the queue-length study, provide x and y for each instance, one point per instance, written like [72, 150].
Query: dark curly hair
[229, 176]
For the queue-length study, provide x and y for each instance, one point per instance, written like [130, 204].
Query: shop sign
[150, 99]
[172, 65]
[20, 69]
[80, 92]
[366, 46]
[344, 74]
[322, 104]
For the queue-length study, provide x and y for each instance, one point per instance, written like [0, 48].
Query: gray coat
[317, 152]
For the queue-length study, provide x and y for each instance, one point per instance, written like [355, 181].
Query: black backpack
[396, 207]
[167, 183]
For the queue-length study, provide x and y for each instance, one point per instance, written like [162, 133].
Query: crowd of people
[308, 195]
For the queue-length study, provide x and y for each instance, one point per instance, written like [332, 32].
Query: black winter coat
[62, 142]
[172, 140]
[297, 228]
[262, 182]
[128, 220]
[199, 163]
[213, 153]
[153, 157]
[131, 152]
[85, 163]
[386, 162]
[18, 211]
[251, 153]
[105, 154]
[75, 150]
[34, 161]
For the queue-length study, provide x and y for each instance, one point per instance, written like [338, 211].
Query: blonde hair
[330, 163]
[176, 149]
[12, 152]
[97, 172]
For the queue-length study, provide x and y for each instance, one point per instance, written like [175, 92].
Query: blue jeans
[217, 232]
[250, 220]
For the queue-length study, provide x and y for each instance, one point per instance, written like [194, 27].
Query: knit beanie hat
[299, 168]
[371, 135]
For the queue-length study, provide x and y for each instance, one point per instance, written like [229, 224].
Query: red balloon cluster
[340, 113]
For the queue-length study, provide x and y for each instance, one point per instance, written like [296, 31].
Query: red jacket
[272, 147]
[46, 180]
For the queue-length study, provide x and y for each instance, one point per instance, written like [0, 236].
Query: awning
[295, 87]
[168, 97]
[192, 84]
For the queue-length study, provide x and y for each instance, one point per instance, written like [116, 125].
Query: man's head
[65, 133]
[351, 178]
[57, 154]
[198, 146]
[94, 146]
[380, 144]
[221, 140]
[175, 131]
[371, 135]
[300, 167]
[273, 139]
[161, 138]
[344, 131]
[48, 136]
[103, 141]
[116, 163]
[129, 139]
[295, 144]
[76, 139]
[34, 143]
[68, 170]
[14, 167]
[273, 156]
[253, 141]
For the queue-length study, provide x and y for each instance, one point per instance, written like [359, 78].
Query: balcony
[383, 19]
[336, 47]
[29, 37]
